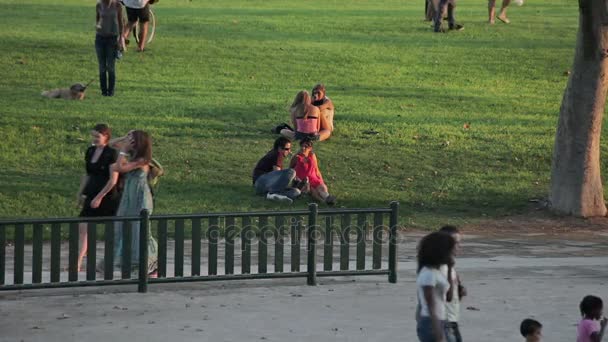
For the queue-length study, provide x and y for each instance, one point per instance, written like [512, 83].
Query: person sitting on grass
[326, 107]
[307, 170]
[531, 330]
[269, 177]
[305, 117]
[591, 327]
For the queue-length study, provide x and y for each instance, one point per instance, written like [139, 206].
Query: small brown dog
[75, 92]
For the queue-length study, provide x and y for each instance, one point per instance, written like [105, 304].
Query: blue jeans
[106, 48]
[425, 329]
[439, 14]
[453, 332]
[277, 182]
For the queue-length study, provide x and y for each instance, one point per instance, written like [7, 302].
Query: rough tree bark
[576, 184]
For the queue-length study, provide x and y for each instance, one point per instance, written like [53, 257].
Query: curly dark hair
[590, 304]
[435, 249]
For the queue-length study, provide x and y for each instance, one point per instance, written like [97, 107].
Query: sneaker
[456, 27]
[330, 200]
[279, 198]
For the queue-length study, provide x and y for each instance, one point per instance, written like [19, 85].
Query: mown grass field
[220, 74]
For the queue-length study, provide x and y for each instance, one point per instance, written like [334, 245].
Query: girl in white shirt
[434, 250]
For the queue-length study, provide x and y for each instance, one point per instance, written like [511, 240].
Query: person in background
[137, 11]
[440, 7]
[326, 107]
[502, 15]
[98, 159]
[531, 330]
[109, 27]
[305, 117]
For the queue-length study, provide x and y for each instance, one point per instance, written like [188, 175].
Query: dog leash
[87, 85]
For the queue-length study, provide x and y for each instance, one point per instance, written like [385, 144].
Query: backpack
[156, 171]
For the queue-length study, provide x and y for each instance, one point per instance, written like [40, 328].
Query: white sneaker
[279, 198]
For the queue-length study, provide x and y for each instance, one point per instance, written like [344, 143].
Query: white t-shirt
[435, 278]
[135, 3]
[452, 308]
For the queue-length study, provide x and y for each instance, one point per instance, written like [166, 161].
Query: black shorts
[141, 14]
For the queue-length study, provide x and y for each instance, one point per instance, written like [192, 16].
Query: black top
[98, 172]
[267, 163]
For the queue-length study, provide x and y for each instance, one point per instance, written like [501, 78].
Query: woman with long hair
[434, 251]
[98, 159]
[134, 163]
[305, 117]
[307, 169]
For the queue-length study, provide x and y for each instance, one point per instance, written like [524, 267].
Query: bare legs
[143, 33]
[502, 15]
[82, 237]
[142, 36]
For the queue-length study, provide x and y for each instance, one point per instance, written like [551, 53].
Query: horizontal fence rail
[142, 250]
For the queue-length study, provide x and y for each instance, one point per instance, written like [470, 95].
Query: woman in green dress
[133, 164]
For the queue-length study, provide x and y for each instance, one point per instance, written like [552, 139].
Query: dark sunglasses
[286, 148]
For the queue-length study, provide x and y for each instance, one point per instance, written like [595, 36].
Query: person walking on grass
[108, 29]
[440, 8]
[435, 249]
[593, 324]
[98, 159]
[137, 11]
[502, 15]
[269, 177]
[531, 330]
[456, 291]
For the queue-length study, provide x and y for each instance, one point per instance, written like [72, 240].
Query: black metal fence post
[392, 243]
[312, 244]
[143, 251]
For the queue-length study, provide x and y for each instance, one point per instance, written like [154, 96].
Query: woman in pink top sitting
[307, 168]
[305, 117]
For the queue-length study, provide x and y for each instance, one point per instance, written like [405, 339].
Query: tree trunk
[576, 184]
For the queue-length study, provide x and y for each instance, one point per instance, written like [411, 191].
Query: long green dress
[136, 196]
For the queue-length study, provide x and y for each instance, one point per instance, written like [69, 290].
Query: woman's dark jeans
[107, 48]
[424, 329]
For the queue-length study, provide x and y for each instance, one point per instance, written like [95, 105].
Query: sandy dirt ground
[514, 268]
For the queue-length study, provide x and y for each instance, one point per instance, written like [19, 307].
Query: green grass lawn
[220, 74]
